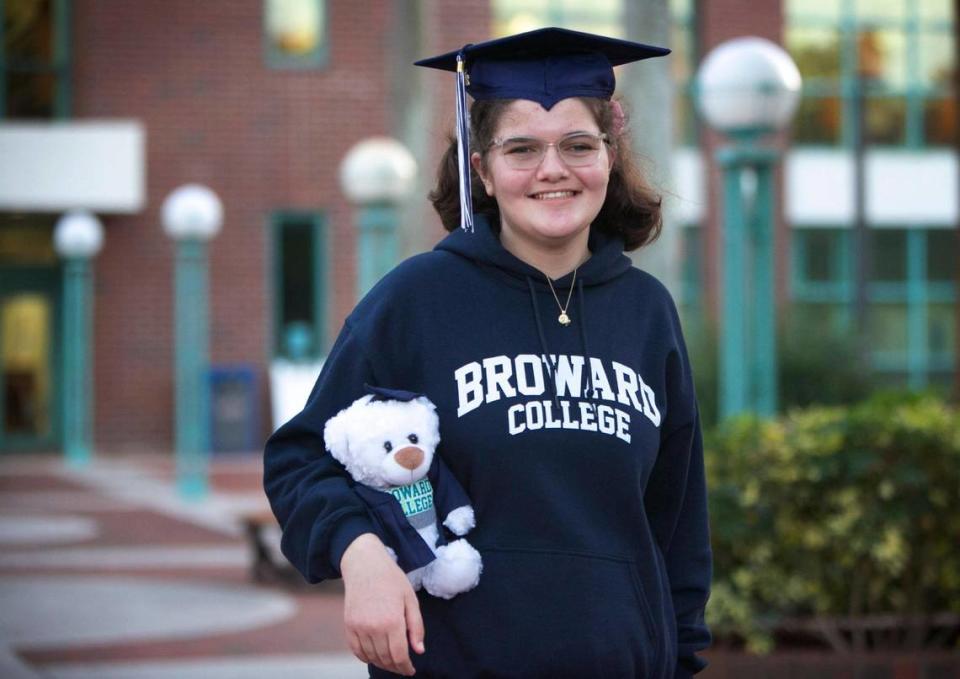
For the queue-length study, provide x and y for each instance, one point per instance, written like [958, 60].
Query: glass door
[29, 347]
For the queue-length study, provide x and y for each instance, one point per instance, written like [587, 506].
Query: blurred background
[150, 336]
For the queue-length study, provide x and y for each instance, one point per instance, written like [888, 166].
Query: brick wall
[195, 75]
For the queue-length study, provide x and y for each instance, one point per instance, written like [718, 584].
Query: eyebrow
[575, 133]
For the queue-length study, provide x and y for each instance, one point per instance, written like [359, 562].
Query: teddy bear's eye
[413, 438]
[387, 446]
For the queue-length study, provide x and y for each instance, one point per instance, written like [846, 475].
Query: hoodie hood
[483, 247]
[607, 260]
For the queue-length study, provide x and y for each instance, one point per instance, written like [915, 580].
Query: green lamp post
[191, 216]
[77, 238]
[377, 175]
[748, 88]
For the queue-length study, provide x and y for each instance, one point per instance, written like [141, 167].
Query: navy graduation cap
[385, 394]
[546, 66]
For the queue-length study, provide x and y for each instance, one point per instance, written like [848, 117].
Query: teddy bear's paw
[456, 569]
[461, 520]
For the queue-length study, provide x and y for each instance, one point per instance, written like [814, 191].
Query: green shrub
[835, 511]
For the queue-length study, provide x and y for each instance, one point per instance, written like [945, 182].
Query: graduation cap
[546, 66]
[384, 394]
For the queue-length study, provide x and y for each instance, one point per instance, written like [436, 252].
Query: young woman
[564, 392]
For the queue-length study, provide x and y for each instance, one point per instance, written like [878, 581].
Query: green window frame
[685, 43]
[35, 63]
[300, 288]
[911, 297]
[887, 53]
[296, 34]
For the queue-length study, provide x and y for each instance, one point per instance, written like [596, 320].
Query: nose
[409, 458]
[551, 166]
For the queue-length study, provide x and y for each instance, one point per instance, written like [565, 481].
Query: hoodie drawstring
[582, 319]
[551, 369]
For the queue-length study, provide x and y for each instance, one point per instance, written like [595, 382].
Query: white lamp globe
[748, 85]
[378, 170]
[192, 211]
[78, 234]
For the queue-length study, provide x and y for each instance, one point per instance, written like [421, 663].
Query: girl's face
[551, 205]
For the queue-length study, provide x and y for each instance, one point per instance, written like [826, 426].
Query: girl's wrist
[360, 551]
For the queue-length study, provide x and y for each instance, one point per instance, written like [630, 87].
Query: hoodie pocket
[544, 614]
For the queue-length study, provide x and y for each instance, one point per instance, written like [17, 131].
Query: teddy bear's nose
[409, 457]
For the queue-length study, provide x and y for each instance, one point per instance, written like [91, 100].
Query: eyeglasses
[526, 153]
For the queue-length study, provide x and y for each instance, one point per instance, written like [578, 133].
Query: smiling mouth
[553, 195]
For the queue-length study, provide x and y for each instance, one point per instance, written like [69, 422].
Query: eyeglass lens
[575, 151]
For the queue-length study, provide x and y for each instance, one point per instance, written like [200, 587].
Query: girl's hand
[380, 609]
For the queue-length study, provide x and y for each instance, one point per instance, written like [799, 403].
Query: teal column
[192, 420]
[378, 243]
[764, 323]
[748, 353]
[733, 369]
[918, 342]
[77, 362]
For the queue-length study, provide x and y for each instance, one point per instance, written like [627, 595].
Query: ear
[476, 160]
[335, 437]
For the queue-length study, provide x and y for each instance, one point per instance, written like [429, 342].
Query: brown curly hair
[631, 210]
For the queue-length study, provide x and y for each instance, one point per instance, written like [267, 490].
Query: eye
[580, 145]
[387, 446]
[413, 438]
[522, 147]
[518, 150]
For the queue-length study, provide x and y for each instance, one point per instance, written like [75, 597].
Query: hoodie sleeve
[676, 504]
[310, 492]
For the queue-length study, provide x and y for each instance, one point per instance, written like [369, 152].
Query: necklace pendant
[564, 319]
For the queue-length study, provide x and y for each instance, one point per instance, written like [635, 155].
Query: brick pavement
[106, 572]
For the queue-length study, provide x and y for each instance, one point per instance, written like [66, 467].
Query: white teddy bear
[387, 441]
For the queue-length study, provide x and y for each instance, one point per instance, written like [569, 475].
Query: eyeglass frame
[602, 137]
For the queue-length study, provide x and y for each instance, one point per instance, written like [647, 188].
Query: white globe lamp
[192, 211]
[748, 86]
[78, 234]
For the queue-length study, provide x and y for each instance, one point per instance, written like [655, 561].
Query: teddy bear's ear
[335, 436]
[424, 401]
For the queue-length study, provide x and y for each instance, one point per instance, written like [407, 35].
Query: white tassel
[463, 148]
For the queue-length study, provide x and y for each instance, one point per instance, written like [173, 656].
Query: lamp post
[191, 216]
[748, 88]
[377, 174]
[77, 238]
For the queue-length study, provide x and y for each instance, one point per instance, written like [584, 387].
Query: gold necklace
[563, 319]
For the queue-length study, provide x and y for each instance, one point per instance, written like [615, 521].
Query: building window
[911, 317]
[35, 59]
[299, 300]
[883, 67]
[599, 16]
[606, 17]
[295, 33]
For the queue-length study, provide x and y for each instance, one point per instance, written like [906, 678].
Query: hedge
[837, 513]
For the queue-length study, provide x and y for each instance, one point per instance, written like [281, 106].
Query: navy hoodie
[579, 446]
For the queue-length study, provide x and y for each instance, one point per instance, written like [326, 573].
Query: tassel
[463, 148]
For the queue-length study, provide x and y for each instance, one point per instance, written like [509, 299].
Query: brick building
[110, 106]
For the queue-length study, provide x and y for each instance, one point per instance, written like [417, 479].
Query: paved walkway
[107, 573]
